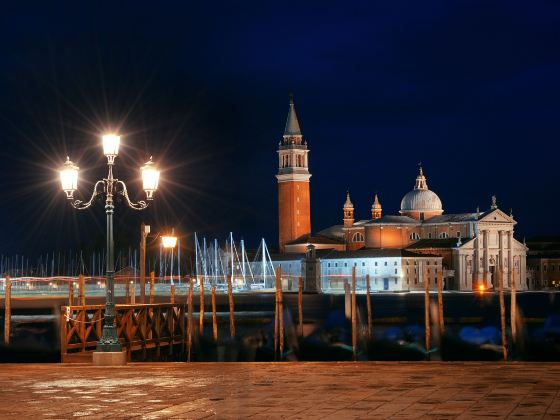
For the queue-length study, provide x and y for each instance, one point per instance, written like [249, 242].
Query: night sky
[470, 89]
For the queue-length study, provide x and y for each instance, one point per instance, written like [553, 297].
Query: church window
[429, 235]
[358, 237]
[414, 236]
[443, 235]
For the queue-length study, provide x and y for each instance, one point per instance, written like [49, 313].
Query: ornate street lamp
[109, 186]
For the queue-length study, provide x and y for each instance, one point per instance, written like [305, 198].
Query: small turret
[376, 209]
[348, 211]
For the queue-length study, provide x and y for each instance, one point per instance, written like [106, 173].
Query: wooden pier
[140, 327]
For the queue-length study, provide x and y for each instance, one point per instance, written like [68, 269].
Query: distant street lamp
[169, 242]
[109, 186]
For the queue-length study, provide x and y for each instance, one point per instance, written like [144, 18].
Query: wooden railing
[139, 328]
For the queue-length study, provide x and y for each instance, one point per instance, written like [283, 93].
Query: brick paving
[282, 390]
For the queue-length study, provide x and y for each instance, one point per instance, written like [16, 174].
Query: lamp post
[169, 242]
[109, 186]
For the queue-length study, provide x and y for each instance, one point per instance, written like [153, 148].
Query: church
[469, 248]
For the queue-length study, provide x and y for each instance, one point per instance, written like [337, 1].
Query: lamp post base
[109, 358]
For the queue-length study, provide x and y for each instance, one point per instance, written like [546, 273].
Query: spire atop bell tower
[292, 132]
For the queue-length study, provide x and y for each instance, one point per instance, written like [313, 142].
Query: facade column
[510, 258]
[485, 259]
[476, 260]
[501, 252]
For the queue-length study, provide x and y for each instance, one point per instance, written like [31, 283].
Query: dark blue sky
[471, 89]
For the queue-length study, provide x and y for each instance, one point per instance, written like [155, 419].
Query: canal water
[472, 329]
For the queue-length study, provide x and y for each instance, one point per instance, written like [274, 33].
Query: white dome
[421, 200]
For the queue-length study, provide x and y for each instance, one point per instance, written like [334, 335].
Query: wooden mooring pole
[7, 310]
[133, 293]
[502, 312]
[347, 300]
[368, 302]
[440, 301]
[300, 305]
[214, 317]
[426, 280]
[276, 314]
[152, 281]
[190, 319]
[172, 293]
[201, 316]
[354, 315]
[231, 308]
[513, 313]
[71, 293]
[82, 291]
[281, 317]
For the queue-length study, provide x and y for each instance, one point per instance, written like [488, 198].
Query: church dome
[421, 199]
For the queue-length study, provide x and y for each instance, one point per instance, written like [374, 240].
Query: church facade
[471, 248]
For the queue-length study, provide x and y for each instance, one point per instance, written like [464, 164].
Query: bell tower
[294, 211]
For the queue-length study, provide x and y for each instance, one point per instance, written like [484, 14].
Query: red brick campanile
[294, 210]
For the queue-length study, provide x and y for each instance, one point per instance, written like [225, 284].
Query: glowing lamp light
[111, 146]
[150, 178]
[69, 178]
[481, 288]
[169, 241]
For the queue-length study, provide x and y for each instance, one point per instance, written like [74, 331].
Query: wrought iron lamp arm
[80, 205]
[140, 205]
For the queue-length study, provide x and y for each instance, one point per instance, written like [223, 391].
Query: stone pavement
[281, 390]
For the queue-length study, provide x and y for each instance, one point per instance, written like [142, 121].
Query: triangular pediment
[496, 216]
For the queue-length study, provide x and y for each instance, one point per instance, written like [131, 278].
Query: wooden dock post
[231, 308]
[201, 316]
[133, 293]
[440, 301]
[214, 317]
[144, 231]
[300, 305]
[172, 294]
[82, 291]
[426, 280]
[71, 293]
[127, 291]
[513, 313]
[281, 317]
[368, 302]
[190, 319]
[347, 300]
[7, 310]
[152, 280]
[354, 315]
[502, 312]
[276, 315]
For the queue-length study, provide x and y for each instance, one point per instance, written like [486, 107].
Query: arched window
[358, 237]
[414, 236]
[443, 235]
